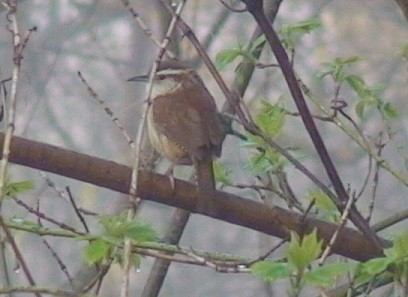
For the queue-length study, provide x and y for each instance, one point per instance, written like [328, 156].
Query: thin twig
[134, 201]
[62, 193]
[11, 7]
[145, 28]
[59, 261]
[239, 10]
[215, 266]
[187, 258]
[291, 200]
[375, 180]
[38, 290]
[318, 117]
[78, 213]
[370, 158]
[87, 212]
[45, 217]
[342, 223]
[219, 22]
[260, 65]
[102, 271]
[108, 111]
[399, 175]
[269, 252]
[394, 219]
[51, 249]
[4, 262]
[18, 47]
[19, 256]
[3, 113]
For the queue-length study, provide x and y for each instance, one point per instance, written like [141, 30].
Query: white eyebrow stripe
[172, 71]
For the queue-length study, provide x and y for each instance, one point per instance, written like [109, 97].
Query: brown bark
[155, 187]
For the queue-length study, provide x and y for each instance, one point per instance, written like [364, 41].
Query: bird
[183, 123]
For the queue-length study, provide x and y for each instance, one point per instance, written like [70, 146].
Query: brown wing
[214, 127]
[189, 118]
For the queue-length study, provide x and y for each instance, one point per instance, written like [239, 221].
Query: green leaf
[300, 254]
[271, 119]
[324, 203]
[361, 108]
[389, 111]
[399, 249]
[96, 251]
[306, 26]
[325, 276]
[336, 69]
[140, 232]
[370, 98]
[13, 189]
[375, 266]
[136, 260]
[253, 141]
[356, 82]
[404, 51]
[291, 33]
[118, 227]
[266, 162]
[312, 246]
[348, 60]
[258, 42]
[395, 261]
[115, 226]
[401, 244]
[221, 174]
[226, 57]
[271, 271]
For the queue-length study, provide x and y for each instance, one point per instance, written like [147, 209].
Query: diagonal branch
[255, 7]
[230, 208]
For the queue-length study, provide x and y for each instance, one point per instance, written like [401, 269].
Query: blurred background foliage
[103, 41]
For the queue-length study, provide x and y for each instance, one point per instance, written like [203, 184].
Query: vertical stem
[133, 185]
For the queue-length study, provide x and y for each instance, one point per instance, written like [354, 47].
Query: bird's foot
[170, 174]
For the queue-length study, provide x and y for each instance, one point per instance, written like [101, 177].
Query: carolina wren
[182, 120]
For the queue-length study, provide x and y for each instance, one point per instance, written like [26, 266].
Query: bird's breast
[163, 145]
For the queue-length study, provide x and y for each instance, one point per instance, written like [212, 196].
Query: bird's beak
[142, 78]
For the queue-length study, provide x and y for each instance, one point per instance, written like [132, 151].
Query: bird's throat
[165, 87]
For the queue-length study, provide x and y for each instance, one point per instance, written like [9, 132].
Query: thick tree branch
[155, 187]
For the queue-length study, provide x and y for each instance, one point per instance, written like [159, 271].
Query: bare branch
[274, 221]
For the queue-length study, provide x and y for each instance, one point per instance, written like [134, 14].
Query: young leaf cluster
[227, 56]
[328, 210]
[395, 261]
[290, 34]
[15, 188]
[368, 97]
[271, 120]
[116, 229]
[221, 174]
[300, 255]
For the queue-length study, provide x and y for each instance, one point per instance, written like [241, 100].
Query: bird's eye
[160, 77]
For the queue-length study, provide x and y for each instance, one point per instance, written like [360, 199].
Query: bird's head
[170, 76]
